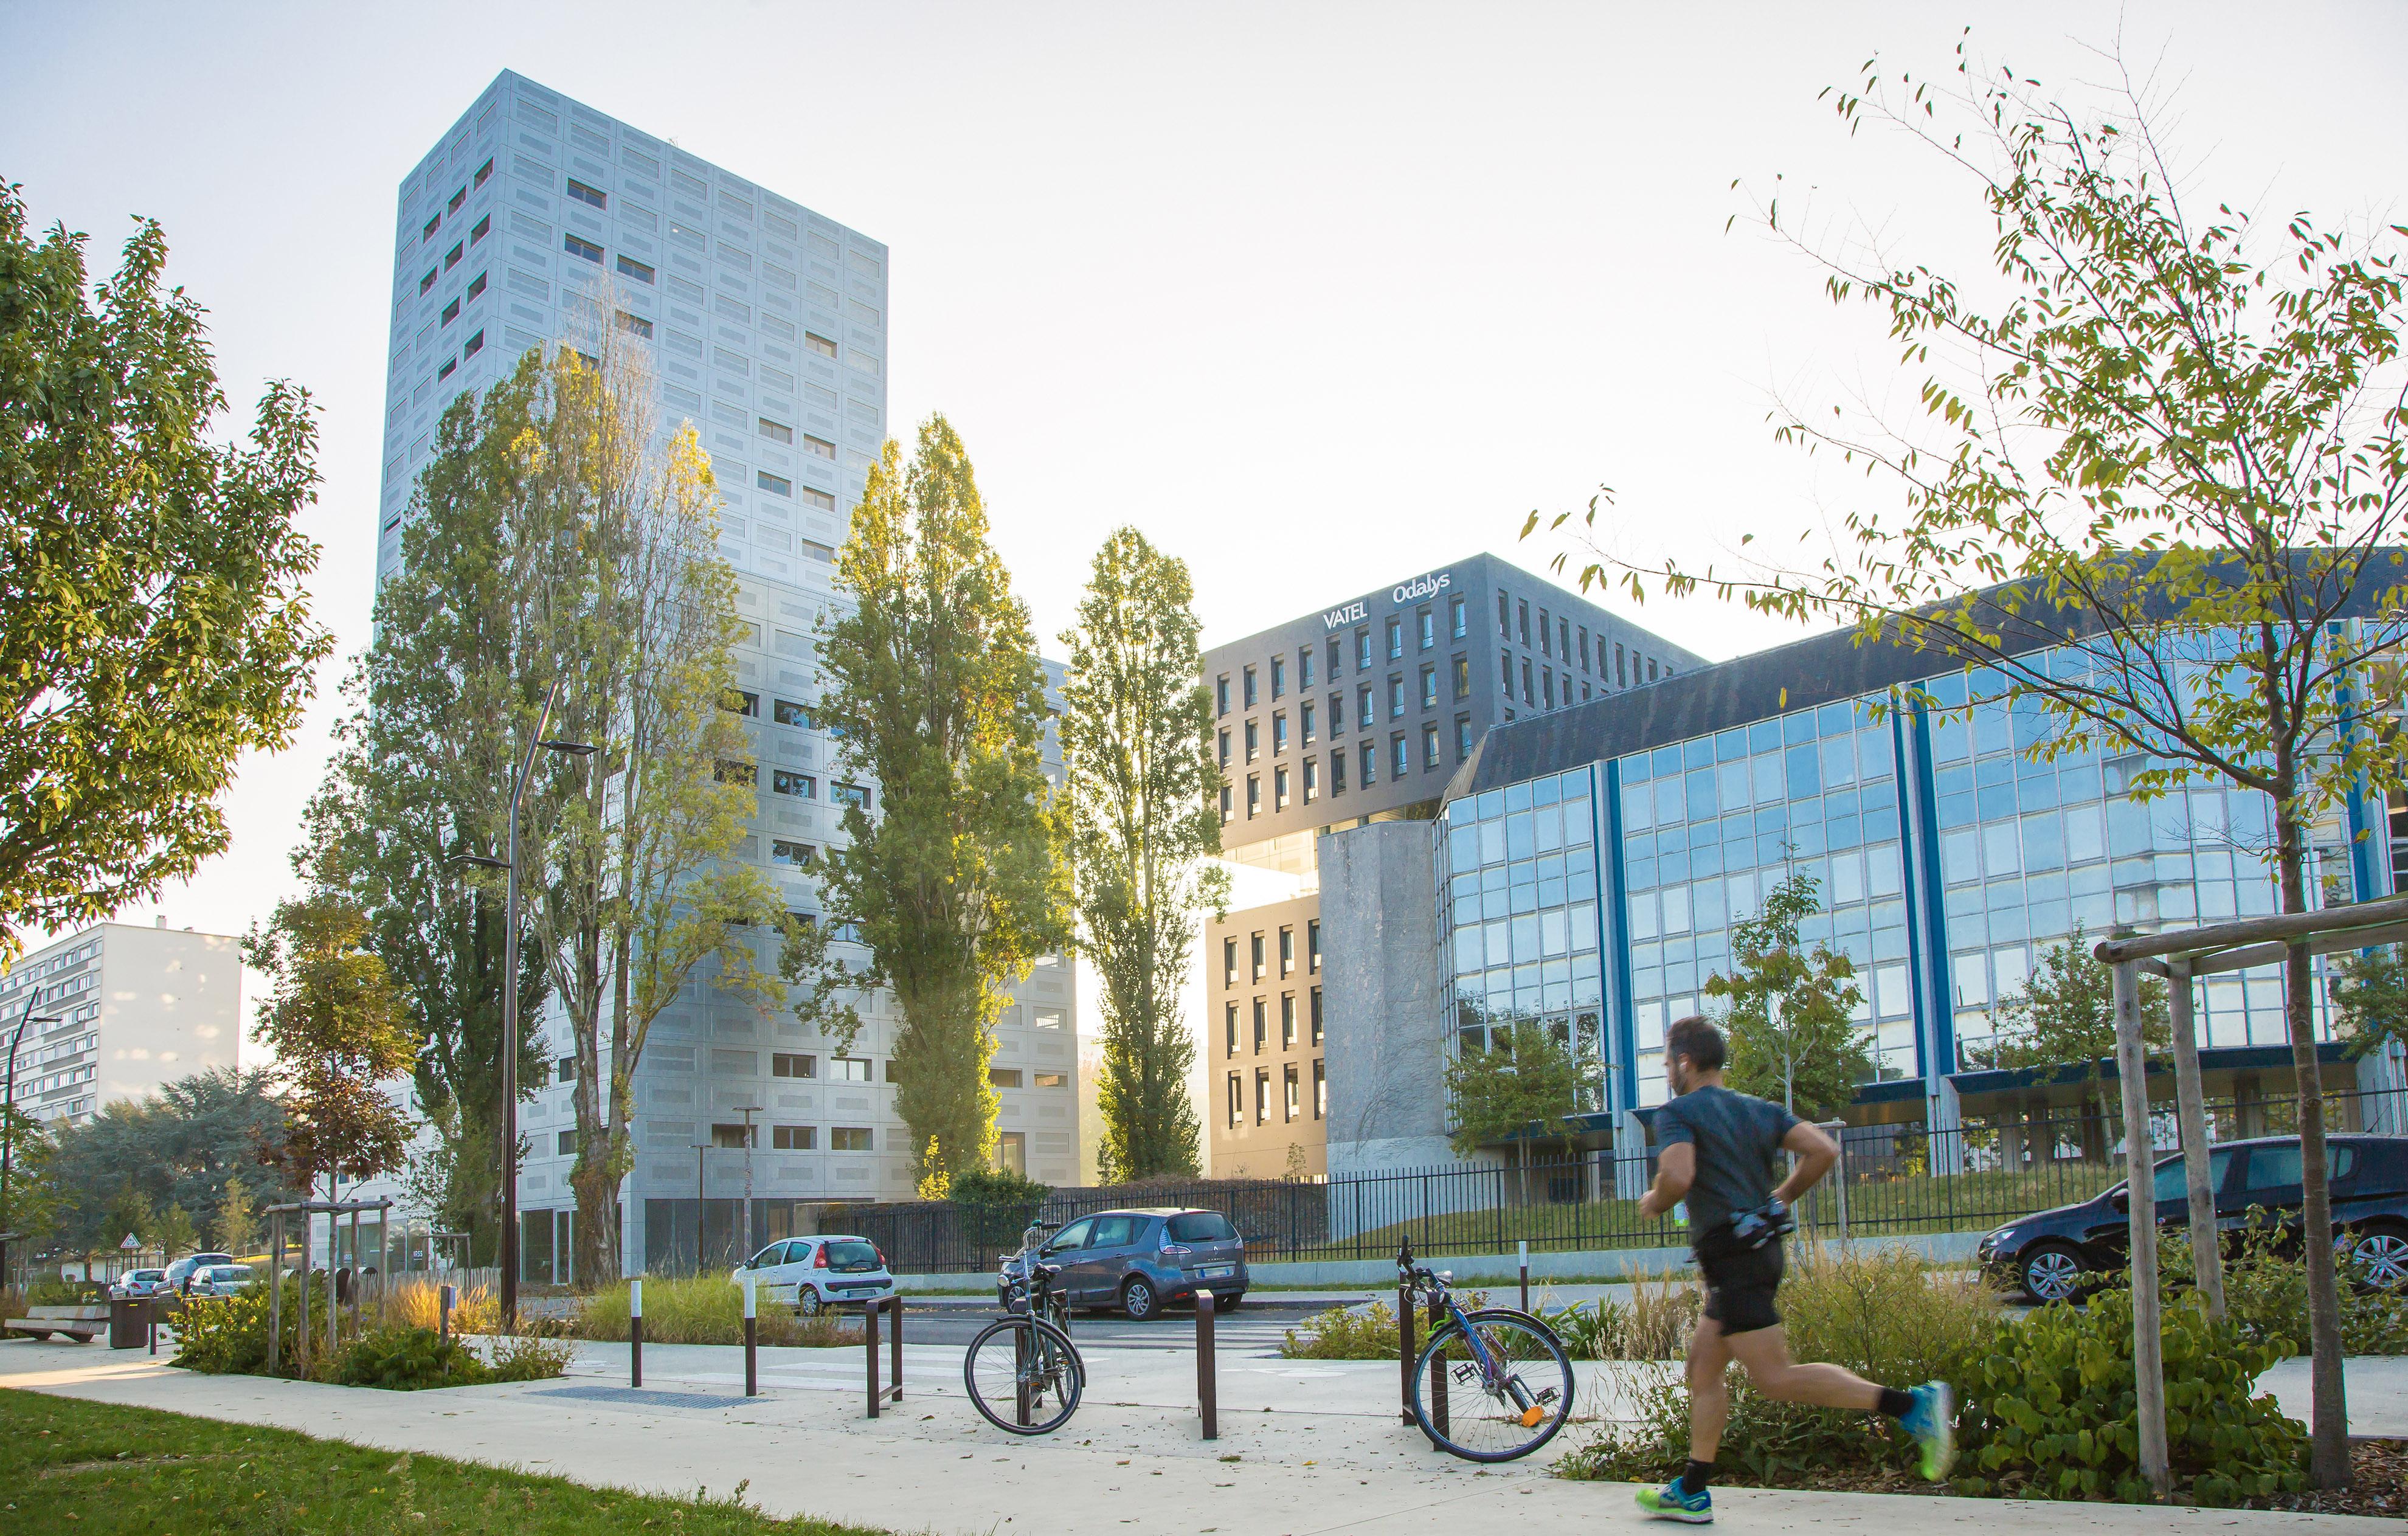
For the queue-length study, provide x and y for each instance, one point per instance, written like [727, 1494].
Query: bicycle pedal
[1548, 1394]
[1532, 1415]
[1467, 1372]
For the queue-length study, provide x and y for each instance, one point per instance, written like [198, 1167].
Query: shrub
[707, 1309]
[1881, 1315]
[2052, 1410]
[66, 1293]
[527, 1357]
[221, 1335]
[1654, 1324]
[405, 1360]
[1344, 1333]
[2266, 1294]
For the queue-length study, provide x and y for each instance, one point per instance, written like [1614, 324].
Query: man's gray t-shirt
[1735, 1136]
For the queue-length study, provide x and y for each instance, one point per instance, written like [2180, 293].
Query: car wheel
[807, 1301]
[1138, 1300]
[2381, 1257]
[2050, 1271]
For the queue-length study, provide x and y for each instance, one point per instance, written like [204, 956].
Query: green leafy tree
[182, 1148]
[335, 1023]
[32, 1202]
[996, 1205]
[128, 1214]
[638, 613]
[2153, 495]
[2369, 993]
[153, 623]
[420, 784]
[2064, 1015]
[1521, 1089]
[1137, 730]
[956, 882]
[236, 1228]
[1790, 1008]
[174, 1232]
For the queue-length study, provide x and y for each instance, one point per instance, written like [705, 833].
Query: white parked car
[221, 1280]
[184, 1271]
[811, 1275]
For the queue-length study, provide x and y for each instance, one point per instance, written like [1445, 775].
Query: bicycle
[1025, 1355]
[1519, 1376]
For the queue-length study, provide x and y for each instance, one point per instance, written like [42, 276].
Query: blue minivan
[1137, 1262]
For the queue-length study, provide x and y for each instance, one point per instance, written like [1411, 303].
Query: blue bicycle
[1490, 1385]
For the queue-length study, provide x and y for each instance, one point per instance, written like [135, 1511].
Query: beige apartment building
[116, 1011]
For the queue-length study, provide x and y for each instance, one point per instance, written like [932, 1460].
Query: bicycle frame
[1421, 1277]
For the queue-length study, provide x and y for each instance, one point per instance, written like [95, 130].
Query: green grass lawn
[87, 1467]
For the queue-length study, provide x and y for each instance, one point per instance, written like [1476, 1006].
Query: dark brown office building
[1360, 712]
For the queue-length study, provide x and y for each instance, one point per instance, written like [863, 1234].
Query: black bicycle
[1023, 1372]
[1490, 1385]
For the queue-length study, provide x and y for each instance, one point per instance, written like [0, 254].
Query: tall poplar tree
[1137, 729]
[637, 612]
[955, 882]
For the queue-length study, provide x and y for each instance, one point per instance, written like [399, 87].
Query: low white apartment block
[117, 1011]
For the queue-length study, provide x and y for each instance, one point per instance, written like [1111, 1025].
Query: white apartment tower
[116, 1010]
[768, 326]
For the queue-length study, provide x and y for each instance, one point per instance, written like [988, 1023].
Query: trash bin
[129, 1319]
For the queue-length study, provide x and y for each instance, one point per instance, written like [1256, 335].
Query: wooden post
[1438, 1373]
[2148, 1341]
[1207, 1395]
[636, 1332]
[443, 1312]
[2191, 1104]
[301, 1333]
[275, 1286]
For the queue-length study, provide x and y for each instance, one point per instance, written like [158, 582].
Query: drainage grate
[646, 1397]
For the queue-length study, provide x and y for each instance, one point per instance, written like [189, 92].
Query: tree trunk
[2329, 1431]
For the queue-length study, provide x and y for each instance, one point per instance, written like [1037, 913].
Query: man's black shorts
[1740, 1286]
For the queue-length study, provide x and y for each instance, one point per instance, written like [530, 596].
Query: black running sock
[1695, 1477]
[1897, 1404]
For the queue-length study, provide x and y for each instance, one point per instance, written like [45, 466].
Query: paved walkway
[1308, 1448]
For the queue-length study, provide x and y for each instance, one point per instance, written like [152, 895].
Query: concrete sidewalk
[1308, 1448]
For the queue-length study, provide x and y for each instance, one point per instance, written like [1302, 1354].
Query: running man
[1718, 1153]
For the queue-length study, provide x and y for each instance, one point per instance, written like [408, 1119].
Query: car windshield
[851, 1256]
[1200, 1227]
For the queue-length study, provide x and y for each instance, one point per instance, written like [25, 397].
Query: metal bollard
[1208, 1367]
[894, 1393]
[443, 1316]
[752, 1339]
[635, 1333]
[1526, 1274]
[1405, 1342]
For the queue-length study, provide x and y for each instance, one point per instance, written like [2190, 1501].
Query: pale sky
[1321, 296]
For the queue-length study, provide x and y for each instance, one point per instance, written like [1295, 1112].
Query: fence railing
[1893, 1180]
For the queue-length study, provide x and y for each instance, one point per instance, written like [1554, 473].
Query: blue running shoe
[1673, 1502]
[1932, 1422]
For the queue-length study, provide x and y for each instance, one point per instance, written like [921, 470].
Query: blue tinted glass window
[1803, 779]
[1664, 760]
[1518, 835]
[1834, 719]
[1729, 745]
[1545, 791]
[1796, 728]
[1517, 797]
[1698, 754]
[1764, 736]
[1701, 795]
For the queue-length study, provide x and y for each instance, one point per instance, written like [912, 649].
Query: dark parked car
[2052, 1255]
[1140, 1260]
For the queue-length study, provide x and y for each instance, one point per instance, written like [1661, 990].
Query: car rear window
[232, 1271]
[1201, 1227]
[852, 1256]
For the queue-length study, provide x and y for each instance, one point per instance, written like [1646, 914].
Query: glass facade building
[1601, 898]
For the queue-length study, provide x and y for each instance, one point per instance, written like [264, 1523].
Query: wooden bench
[84, 1323]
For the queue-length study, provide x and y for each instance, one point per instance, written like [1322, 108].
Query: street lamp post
[748, 1111]
[8, 1126]
[509, 1233]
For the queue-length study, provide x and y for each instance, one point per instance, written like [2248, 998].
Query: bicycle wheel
[1505, 1410]
[1025, 1375]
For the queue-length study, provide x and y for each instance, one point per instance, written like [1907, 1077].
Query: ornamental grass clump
[707, 1309]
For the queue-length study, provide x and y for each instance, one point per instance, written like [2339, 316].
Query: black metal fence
[1893, 1180]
